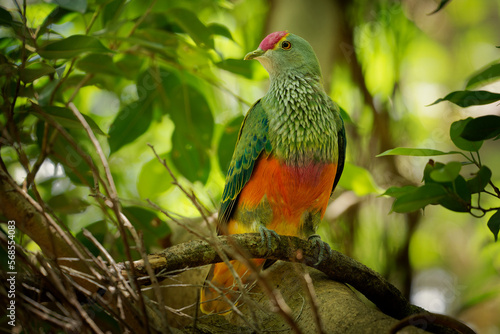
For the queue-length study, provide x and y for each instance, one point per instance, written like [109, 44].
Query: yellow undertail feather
[221, 277]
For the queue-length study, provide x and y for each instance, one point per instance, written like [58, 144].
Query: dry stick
[213, 240]
[191, 196]
[337, 266]
[106, 307]
[69, 293]
[71, 141]
[154, 281]
[115, 205]
[120, 313]
[79, 86]
[114, 281]
[311, 294]
[112, 262]
[216, 246]
[54, 281]
[51, 224]
[280, 306]
[43, 313]
[233, 307]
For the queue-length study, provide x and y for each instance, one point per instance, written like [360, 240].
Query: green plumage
[252, 140]
[295, 121]
[289, 157]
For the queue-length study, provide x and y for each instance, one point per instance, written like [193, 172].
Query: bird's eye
[286, 45]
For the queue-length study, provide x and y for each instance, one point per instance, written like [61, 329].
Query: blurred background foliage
[171, 74]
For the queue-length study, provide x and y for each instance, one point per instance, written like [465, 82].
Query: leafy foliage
[443, 184]
[171, 73]
[137, 64]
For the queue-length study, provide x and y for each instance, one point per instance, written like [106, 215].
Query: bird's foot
[324, 248]
[265, 237]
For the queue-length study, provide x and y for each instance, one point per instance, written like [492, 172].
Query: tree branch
[337, 266]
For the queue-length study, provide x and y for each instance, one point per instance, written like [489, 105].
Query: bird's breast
[281, 195]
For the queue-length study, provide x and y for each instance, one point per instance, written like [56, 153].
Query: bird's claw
[323, 247]
[265, 237]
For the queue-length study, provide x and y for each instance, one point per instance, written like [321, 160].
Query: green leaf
[429, 167]
[193, 133]
[129, 65]
[99, 64]
[480, 181]
[440, 6]
[359, 180]
[65, 117]
[168, 41]
[34, 71]
[482, 128]
[99, 230]
[494, 224]
[5, 17]
[397, 192]
[111, 12]
[153, 179]
[227, 143]
[237, 66]
[219, 29]
[458, 197]
[194, 122]
[345, 116]
[67, 204]
[422, 196]
[415, 152]
[79, 6]
[134, 119]
[447, 173]
[467, 98]
[456, 130]
[189, 23]
[153, 229]
[74, 165]
[157, 47]
[55, 16]
[485, 76]
[192, 163]
[71, 47]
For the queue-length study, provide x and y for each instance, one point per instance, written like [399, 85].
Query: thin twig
[213, 241]
[337, 266]
[115, 205]
[311, 294]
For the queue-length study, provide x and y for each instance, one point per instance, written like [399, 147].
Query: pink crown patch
[270, 41]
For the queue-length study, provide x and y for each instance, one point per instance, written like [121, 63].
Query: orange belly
[278, 196]
[290, 191]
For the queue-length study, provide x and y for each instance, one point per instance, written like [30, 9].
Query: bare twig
[311, 294]
[281, 307]
[338, 266]
[114, 204]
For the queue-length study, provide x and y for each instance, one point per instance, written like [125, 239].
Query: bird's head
[281, 51]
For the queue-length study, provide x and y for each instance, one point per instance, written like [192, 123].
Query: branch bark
[337, 267]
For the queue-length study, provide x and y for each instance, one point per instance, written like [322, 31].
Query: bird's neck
[302, 124]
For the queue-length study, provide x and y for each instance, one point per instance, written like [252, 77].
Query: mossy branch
[293, 249]
[336, 266]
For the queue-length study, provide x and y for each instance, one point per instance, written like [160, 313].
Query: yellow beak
[254, 54]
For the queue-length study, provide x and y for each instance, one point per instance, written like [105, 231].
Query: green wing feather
[252, 140]
[342, 143]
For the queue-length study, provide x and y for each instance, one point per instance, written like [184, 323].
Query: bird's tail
[212, 301]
